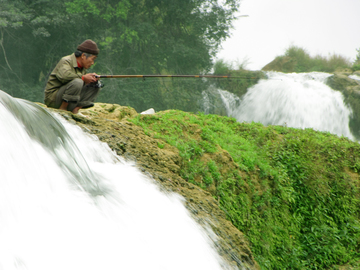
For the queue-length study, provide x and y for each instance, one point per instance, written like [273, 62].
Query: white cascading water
[299, 100]
[68, 202]
[355, 77]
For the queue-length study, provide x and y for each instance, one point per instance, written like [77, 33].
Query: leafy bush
[356, 65]
[303, 59]
[297, 59]
[294, 193]
[241, 81]
[222, 68]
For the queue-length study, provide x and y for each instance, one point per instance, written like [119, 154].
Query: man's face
[87, 62]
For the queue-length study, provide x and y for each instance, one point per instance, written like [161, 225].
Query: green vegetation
[134, 37]
[294, 193]
[297, 59]
[238, 86]
[356, 65]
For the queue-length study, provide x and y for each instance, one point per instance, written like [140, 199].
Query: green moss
[111, 109]
[294, 193]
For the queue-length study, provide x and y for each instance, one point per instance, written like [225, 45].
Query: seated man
[69, 87]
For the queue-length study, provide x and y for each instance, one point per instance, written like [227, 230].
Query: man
[69, 87]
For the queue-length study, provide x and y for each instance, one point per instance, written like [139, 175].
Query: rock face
[350, 88]
[342, 82]
[281, 64]
[109, 123]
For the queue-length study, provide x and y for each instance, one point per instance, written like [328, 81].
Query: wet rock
[161, 162]
[341, 82]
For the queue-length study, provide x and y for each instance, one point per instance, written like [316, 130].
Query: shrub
[299, 60]
[242, 79]
[303, 60]
[356, 65]
[294, 193]
[221, 67]
[337, 62]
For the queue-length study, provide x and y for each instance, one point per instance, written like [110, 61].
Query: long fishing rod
[173, 76]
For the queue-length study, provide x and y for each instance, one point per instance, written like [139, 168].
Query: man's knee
[70, 92]
[76, 83]
[74, 87]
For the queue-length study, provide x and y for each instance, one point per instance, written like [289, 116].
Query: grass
[294, 193]
[297, 59]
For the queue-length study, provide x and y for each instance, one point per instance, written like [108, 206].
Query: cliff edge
[161, 162]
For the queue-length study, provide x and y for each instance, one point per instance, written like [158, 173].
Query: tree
[134, 36]
[356, 65]
[33, 36]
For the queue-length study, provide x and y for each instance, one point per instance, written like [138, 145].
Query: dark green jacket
[65, 71]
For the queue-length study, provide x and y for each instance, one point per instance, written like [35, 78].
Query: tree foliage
[134, 36]
[356, 65]
[297, 59]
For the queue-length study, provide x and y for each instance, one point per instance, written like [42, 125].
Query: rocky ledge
[109, 122]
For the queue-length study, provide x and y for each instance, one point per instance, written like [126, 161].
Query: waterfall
[354, 77]
[68, 202]
[299, 100]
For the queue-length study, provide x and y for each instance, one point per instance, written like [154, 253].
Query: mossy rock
[341, 82]
[281, 64]
[161, 162]
[109, 111]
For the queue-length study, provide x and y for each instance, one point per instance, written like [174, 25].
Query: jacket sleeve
[67, 72]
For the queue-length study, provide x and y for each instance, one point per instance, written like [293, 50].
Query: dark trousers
[77, 94]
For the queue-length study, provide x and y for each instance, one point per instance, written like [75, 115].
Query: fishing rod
[173, 76]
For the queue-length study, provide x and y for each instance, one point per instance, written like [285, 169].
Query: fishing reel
[97, 84]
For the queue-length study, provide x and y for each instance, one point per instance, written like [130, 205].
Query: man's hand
[90, 78]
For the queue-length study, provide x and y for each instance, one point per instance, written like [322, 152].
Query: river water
[68, 202]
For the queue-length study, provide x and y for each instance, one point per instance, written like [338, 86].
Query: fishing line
[154, 81]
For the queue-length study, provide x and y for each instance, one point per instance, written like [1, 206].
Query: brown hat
[89, 46]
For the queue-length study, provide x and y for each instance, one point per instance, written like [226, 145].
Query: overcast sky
[321, 27]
